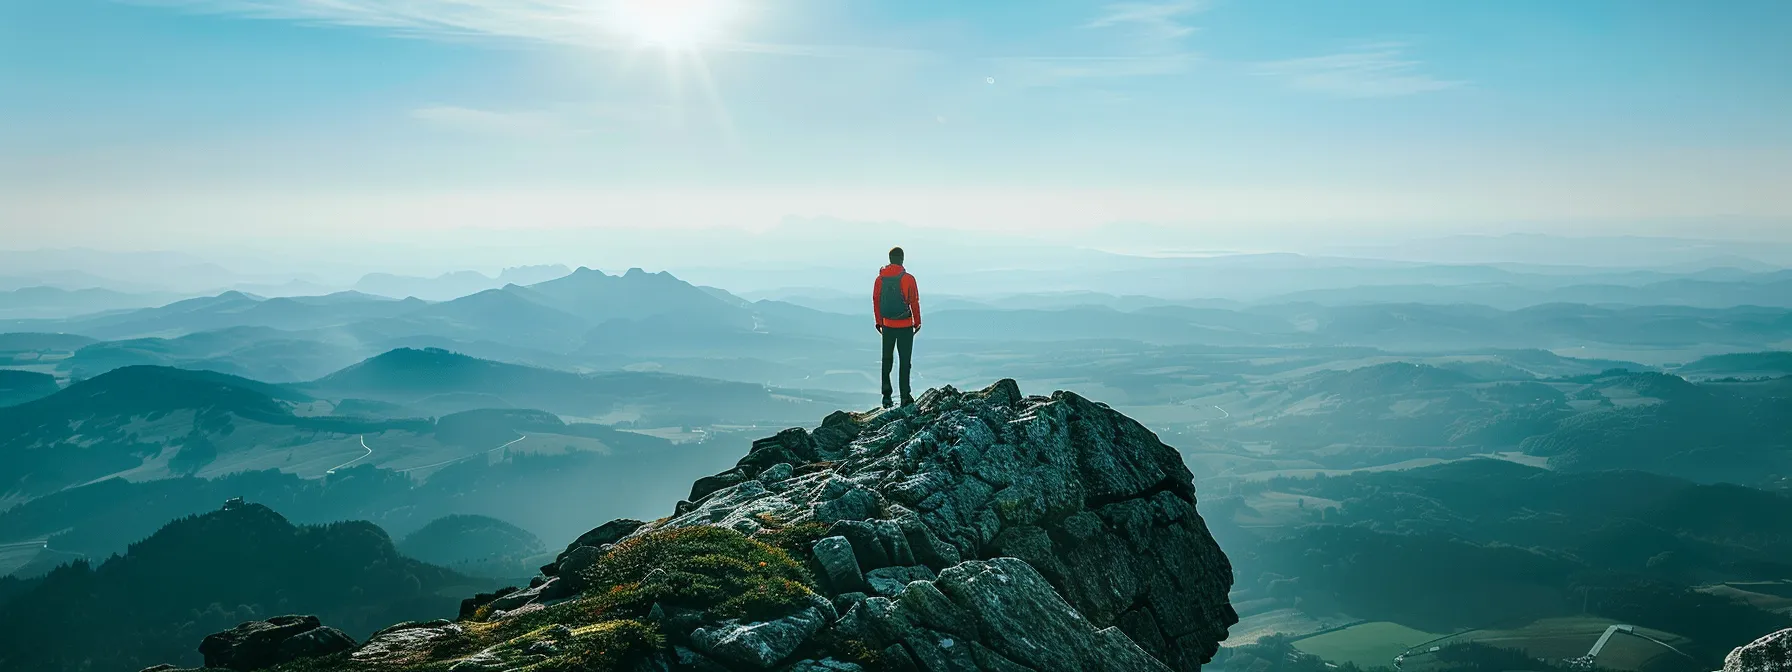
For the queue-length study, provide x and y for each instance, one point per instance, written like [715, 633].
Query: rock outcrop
[1772, 653]
[257, 645]
[983, 531]
[1091, 501]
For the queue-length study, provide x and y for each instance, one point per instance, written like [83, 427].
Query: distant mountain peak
[636, 295]
[408, 367]
[440, 355]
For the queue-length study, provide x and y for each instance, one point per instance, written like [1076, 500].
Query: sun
[673, 24]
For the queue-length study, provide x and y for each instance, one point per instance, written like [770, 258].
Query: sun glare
[673, 24]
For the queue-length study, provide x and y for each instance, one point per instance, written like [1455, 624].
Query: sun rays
[683, 33]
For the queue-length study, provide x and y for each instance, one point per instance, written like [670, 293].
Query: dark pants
[898, 339]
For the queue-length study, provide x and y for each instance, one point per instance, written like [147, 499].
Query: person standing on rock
[897, 305]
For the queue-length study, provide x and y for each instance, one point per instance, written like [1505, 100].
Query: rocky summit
[260, 644]
[978, 531]
[1772, 653]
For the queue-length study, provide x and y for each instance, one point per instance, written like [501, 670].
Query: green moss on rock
[796, 538]
[719, 571]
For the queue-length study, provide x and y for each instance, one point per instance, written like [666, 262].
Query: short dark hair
[896, 255]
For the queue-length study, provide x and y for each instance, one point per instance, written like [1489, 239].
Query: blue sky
[157, 119]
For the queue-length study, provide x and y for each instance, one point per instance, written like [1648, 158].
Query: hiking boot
[888, 403]
[908, 400]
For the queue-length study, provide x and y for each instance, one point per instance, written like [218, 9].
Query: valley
[1385, 433]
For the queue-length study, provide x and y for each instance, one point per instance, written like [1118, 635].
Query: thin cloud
[1374, 71]
[1154, 33]
[580, 23]
[1161, 21]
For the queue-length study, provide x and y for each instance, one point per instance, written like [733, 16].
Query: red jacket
[909, 292]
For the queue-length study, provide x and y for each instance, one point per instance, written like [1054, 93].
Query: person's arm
[877, 291]
[914, 300]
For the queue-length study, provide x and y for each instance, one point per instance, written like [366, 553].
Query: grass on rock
[718, 571]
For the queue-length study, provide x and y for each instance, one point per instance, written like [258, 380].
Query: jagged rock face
[1101, 512]
[261, 644]
[1772, 653]
[997, 615]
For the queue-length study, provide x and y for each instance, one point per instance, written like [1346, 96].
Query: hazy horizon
[829, 256]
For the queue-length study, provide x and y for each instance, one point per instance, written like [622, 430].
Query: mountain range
[441, 382]
[158, 422]
[591, 321]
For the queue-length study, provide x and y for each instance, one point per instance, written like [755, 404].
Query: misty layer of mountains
[405, 408]
[592, 321]
[1507, 272]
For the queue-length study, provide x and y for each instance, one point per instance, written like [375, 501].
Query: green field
[1291, 622]
[1281, 508]
[1561, 638]
[1758, 595]
[1367, 645]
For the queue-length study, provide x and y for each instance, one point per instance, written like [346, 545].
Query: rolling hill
[206, 573]
[148, 422]
[261, 353]
[1777, 363]
[476, 545]
[1733, 432]
[18, 387]
[18, 342]
[444, 382]
[1495, 544]
[131, 417]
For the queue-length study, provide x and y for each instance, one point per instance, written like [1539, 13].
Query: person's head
[896, 256]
